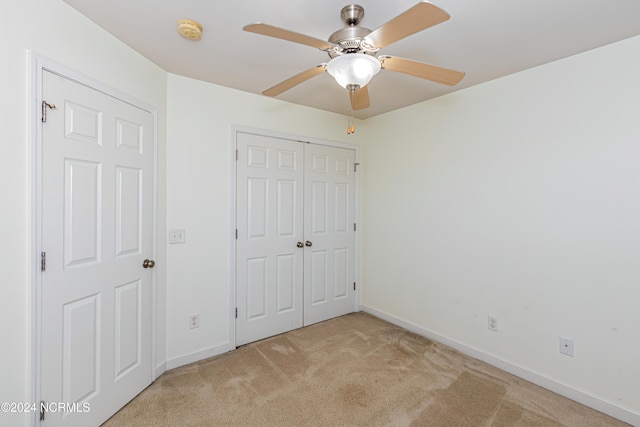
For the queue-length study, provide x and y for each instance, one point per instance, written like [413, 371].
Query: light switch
[177, 236]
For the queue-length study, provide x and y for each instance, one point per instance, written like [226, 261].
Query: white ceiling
[486, 39]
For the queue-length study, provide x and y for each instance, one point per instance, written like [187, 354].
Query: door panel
[257, 189]
[318, 275]
[128, 310]
[128, 211]
[97, 220]
[80, 349]
[285, 283]
[256, 288]
[329, 267]
[269, 220]
[341, 207]
[341, 273]
[318, 217]
[82, 213]
[286, 205]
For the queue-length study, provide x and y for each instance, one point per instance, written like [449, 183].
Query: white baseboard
[160, 369]
[565, 390]
[197, 356]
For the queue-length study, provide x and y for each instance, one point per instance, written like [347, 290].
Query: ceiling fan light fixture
[353, 69]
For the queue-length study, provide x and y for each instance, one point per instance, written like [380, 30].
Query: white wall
[518, 198]
[54, 30]
[200, 116]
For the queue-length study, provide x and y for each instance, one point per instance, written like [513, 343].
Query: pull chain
[350, 126]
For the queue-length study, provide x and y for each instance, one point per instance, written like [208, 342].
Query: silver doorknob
[300, 244]
[148, 263]
[308, 243]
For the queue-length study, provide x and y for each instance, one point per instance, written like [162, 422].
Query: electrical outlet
[566, 346]
[194, 321]
[177, 236]
[492, 323]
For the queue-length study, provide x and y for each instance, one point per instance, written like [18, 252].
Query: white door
[295, 237]
[329, 262]
[269, 226]
[97, 230]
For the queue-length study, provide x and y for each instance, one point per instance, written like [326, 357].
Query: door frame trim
[37, 64]
[233, 136]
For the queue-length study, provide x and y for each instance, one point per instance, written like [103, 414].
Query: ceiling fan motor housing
[351, 38]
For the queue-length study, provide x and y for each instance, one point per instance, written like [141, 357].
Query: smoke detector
[190, 29]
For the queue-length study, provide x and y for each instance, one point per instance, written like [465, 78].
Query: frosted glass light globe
[353, 69]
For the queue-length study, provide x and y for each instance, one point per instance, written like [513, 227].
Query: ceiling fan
[353, 51]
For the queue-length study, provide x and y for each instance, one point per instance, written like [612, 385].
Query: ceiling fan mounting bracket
[352, 14]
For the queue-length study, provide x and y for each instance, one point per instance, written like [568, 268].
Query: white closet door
[269, 222]
[97, 230]
[329, 264]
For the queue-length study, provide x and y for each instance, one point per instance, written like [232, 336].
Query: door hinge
[236, 234]
[354, 226]
[237, 155]
[236, 312]
[43, 261]
[355, 167]
[43, 405]
[354, 286]
[45, 104]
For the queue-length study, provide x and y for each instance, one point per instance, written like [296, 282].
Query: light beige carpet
[354, 370]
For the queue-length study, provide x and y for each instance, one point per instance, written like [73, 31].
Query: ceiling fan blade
[418, 18]
[279, 33]
[295, 80]
[421, 70]
[360, 99]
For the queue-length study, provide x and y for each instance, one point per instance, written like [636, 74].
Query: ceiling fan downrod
[352, 14]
